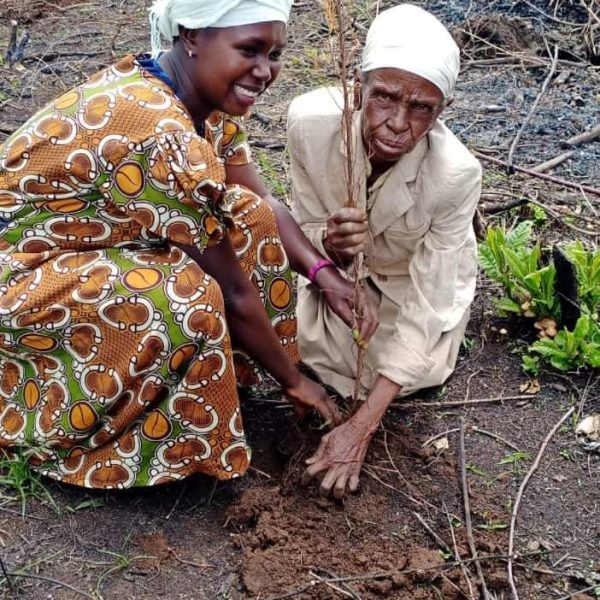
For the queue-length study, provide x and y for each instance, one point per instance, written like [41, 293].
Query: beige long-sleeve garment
[420, 256]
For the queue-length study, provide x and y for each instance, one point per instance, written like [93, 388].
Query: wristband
[320, 264]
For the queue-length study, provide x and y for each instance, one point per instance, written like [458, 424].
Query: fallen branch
[396, 470]
[268, 144]
[568, 184]
[348, 592]
[531, 112]
[570, 596]
[6, 576]
[553, 211]
[495, 437]
[16, 574]
[553, 18]
[586, 136]
[454, 403]
[438, 436]
[520, 60]
[183, 561]
[440, 542]
[474, 430]
[493, 209]
[553, 162]
[387, 574]
[468, 524]
[519, 496]
[583, 396]
[416, 403]
[466, 573]
[47, 57]
[367, 471]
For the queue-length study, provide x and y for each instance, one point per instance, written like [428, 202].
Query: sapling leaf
[519, 237]
[507, 305]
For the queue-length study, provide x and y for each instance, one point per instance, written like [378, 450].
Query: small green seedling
[515, 459]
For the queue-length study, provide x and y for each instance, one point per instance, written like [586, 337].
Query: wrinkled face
[232, 66]
[399, 109]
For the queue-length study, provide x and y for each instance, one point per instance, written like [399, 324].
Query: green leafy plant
[476, 470]
[85, 505]
[567, 454]
[17, 475]
[121, 562]
[587, 265]
[531, 364]
[509, 259]
[515, 459]
[539, 214]
[571, 350]
[493, 526]
[490, 524]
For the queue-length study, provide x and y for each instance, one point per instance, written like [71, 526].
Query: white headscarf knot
[409, 38]
[167, 15]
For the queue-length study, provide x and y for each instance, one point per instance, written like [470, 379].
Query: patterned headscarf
[407, 37]
[167, 15]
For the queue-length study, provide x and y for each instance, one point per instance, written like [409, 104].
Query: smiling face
[230, 67]
[399, 109]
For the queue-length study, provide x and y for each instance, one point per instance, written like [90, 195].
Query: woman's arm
[301, 253]
[251, 329]
[338, 292]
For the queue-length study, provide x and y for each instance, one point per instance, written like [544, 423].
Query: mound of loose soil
[288, 539]
[265, 537]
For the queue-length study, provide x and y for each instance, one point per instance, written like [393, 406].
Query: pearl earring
[190, 53]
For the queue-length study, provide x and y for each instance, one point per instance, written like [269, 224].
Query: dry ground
[263, 537]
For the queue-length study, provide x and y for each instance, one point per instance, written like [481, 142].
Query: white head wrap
[409, 38]
[167, 15]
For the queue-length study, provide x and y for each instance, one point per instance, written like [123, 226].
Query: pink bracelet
[320, 264]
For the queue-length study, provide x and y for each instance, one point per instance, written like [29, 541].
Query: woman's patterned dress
[116, 366]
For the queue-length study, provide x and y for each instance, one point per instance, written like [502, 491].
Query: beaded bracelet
[320, 264]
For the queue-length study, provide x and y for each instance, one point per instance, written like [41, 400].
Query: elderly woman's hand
[346, 234]
[307, 395]
[340, 456]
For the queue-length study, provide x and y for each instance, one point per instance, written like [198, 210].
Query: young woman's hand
[360, 311]
[307, 395]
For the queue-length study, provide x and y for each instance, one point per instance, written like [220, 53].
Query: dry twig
[6, 576]
[440, 542]
[16, 574]
[345, 591]
[534, 106]
[339, 22]
[584, 395]
[494, 436]
[468, 524]
[553, 162]
[386, 574]
[568, 184]
[586, 136]
[454, 403]
[474, 429]
[465, 570]
[519, 496]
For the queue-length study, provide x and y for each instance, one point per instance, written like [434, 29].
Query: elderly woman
[418, 190]
[130, 262]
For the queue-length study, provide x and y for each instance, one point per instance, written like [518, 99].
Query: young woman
[129, 263]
